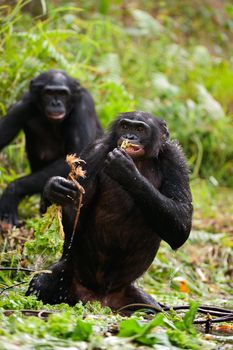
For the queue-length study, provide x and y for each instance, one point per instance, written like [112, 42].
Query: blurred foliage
[129, 58]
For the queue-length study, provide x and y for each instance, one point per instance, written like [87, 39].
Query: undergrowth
[197, 274]
[126, 64]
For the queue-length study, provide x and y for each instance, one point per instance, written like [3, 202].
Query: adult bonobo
[135, 197]
[58, 117]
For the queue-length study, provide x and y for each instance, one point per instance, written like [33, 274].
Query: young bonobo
[58, 117]
[137, 193]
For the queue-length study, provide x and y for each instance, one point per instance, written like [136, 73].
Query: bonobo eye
[63, 93]
[140, 129]
[49, 92]
[124, 126]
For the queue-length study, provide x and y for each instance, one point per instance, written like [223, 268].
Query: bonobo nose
[131, 137]
[56, 103]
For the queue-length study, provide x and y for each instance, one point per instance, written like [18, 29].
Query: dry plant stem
[75, 172]
[79, 204]
[59, 216]
[39, 313]
[228, 318]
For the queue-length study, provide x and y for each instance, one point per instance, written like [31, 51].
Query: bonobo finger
[61, 181]
[116, 153]
[110, 156]
[106, 162]
[72, 193]
[125, 154]
[122, 153]
[61, 199]
[119, 152]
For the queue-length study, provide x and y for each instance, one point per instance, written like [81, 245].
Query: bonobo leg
[54, 287]
[127, 296]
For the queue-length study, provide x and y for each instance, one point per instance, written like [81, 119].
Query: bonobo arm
[84, 126]
[13, 122]
[64, 192]
[27, 185]
[168, 210]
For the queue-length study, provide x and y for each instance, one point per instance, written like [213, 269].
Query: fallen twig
[12, 286]
[39, 313]
[227, 318]
[16, 269]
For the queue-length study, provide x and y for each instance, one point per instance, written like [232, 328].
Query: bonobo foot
[8, 219]
[54, 286]
[130, 295]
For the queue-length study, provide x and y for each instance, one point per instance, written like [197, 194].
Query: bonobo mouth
[56, 116]
[132, 149]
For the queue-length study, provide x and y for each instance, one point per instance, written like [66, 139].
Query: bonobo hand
[120, 166]
[60, 191]
[8, 209]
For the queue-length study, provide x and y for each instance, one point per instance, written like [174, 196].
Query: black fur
[130, 205]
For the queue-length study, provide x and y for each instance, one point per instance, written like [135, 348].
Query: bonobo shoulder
[173, 163]
[83, 93]
[21, 107]
[173, 153]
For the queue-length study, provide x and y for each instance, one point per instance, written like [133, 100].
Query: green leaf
[190, 315]
[82, 330]
[129, 328]
[183, 340]
[139, 332]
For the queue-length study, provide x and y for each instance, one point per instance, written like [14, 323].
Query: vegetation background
[173, 59]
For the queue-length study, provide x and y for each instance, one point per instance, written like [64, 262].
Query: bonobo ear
[165, 131]
[75, 86]
[35, 85]
[160, 136]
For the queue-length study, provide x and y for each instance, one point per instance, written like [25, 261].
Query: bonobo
[58, 117]
[137, 193]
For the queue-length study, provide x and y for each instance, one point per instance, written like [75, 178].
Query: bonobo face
[56, 96]
[133, 136]
[54, 93]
